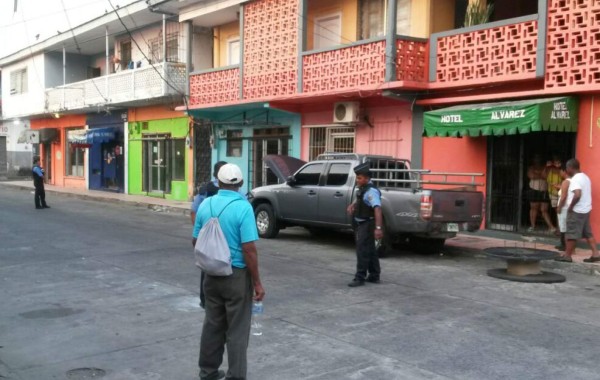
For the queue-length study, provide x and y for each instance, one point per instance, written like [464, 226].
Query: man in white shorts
[579, 201]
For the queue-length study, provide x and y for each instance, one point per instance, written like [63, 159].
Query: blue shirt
[39, 171]
[201, 197]
[237, 222]
[372, 197]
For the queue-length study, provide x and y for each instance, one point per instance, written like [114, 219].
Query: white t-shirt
[581, 182]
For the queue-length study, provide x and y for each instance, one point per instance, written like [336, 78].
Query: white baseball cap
[230, 174]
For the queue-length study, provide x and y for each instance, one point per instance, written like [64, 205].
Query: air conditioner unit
[346, 112]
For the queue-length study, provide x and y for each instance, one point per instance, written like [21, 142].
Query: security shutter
[3, 163]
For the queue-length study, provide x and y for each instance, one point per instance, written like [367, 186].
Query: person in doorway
[207, 190]
[561, 210]
[368, 222]
[579, 203]
[538, 194]
[229, 298]
[38, 182]
[552, 172]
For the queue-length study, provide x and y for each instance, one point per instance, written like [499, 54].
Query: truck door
[299, 202]
[334, 195]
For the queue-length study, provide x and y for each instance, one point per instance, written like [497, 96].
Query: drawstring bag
[211, 250]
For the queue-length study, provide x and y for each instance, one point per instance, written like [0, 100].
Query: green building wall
[178, 128]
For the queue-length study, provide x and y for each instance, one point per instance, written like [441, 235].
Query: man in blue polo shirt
[229, 298]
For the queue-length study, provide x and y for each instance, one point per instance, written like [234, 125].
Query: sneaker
[215, 376]
[531, 229]
[356, 282]
[46, 206]
[373, 280]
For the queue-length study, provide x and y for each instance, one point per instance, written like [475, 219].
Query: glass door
[157, 165]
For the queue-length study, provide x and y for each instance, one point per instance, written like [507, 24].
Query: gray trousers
[228, 313]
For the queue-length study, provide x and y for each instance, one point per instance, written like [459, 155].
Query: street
[112, 286]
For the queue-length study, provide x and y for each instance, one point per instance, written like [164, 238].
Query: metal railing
[416, 177]
[142, 83]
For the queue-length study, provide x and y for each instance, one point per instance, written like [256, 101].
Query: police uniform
[368, 198]
[38, 182]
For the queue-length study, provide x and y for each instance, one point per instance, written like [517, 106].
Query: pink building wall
[391, 133]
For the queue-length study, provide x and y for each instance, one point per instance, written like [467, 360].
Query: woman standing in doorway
[538, 194]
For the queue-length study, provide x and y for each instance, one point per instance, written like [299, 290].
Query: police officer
[368, 222]
[38, 182]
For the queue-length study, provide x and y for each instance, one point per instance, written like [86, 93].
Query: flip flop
[592, 259]
[564, 259]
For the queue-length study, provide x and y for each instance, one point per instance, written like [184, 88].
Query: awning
[92, 136]
[506, 118]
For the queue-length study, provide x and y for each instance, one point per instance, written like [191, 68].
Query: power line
[53, 13]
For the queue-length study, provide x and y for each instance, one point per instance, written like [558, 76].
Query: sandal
[592, 259]
[564, 259]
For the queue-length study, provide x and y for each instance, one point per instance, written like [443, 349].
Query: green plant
[478, 14]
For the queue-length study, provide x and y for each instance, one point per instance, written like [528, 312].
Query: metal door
[504, 166]
[300, 202]
[3, 157]
[334, 195]
[48, 162]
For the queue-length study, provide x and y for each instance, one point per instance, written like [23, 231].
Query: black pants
[40, 197]
[202, 297]
[226, 323]
[367, 260]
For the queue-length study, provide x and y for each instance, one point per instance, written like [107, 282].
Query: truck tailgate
[457, 206]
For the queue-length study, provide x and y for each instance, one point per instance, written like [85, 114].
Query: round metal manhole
[85, 373]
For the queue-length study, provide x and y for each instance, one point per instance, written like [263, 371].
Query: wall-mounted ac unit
[346, 112]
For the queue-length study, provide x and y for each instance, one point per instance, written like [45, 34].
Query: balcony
[496, 52]
[126, 87]
[213, 86]
[363, 64]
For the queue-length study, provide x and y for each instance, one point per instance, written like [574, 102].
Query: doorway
[155, 166]
[508, 159]
[48, 162]
[328, 31]
[267, 141]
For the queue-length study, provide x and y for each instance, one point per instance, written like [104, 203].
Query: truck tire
[266, 223]
[431, 246]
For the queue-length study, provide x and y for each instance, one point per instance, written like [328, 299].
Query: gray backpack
[212, 251]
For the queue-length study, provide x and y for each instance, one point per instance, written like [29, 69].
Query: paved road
[88, 284]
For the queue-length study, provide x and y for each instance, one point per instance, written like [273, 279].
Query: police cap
[363, 169]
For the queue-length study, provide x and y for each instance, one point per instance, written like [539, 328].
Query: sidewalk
[468, 242]
[154, 203]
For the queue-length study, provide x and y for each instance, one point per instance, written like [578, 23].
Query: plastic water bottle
[257, 312]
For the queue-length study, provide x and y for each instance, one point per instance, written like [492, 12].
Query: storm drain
[85, 373]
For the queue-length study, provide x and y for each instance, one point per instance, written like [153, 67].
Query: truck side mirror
[290, 181]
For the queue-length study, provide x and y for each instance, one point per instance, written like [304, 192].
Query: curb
[148, 205]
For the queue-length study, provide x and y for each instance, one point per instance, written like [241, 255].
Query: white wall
[33, 101]
[143, 38]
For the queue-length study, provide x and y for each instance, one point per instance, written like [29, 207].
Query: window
[309, 175]
[233, 51]
[234, 143]
[155, 48]
[75, 155]
[331, 139]
[338, 174]
[173, 47]
[371, 18]
[328, 31]
[177, 149]
[403, 18]
[18, 82]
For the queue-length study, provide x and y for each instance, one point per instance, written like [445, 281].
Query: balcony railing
[124, 87]
[495, 52]
[220, 85]
[363, 64]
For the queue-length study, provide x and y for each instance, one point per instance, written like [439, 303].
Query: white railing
[123, 87]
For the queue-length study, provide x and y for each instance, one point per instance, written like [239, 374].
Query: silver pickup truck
[316, 194]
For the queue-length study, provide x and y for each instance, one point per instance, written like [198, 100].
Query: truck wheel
[266, 223]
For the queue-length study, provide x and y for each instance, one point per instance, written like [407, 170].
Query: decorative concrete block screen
[270, 48]
[219, 86]
[411, 60]
[573, 54]
[345, 68]
[493, 54]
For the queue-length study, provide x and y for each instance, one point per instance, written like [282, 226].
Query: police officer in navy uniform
[368, 222]
[38, 182]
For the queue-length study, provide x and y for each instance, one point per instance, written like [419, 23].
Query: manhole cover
[85, 373]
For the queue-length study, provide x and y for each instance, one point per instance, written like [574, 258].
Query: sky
[37, 20]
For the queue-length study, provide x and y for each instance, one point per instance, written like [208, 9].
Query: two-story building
[103, 97]
[373, 76]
